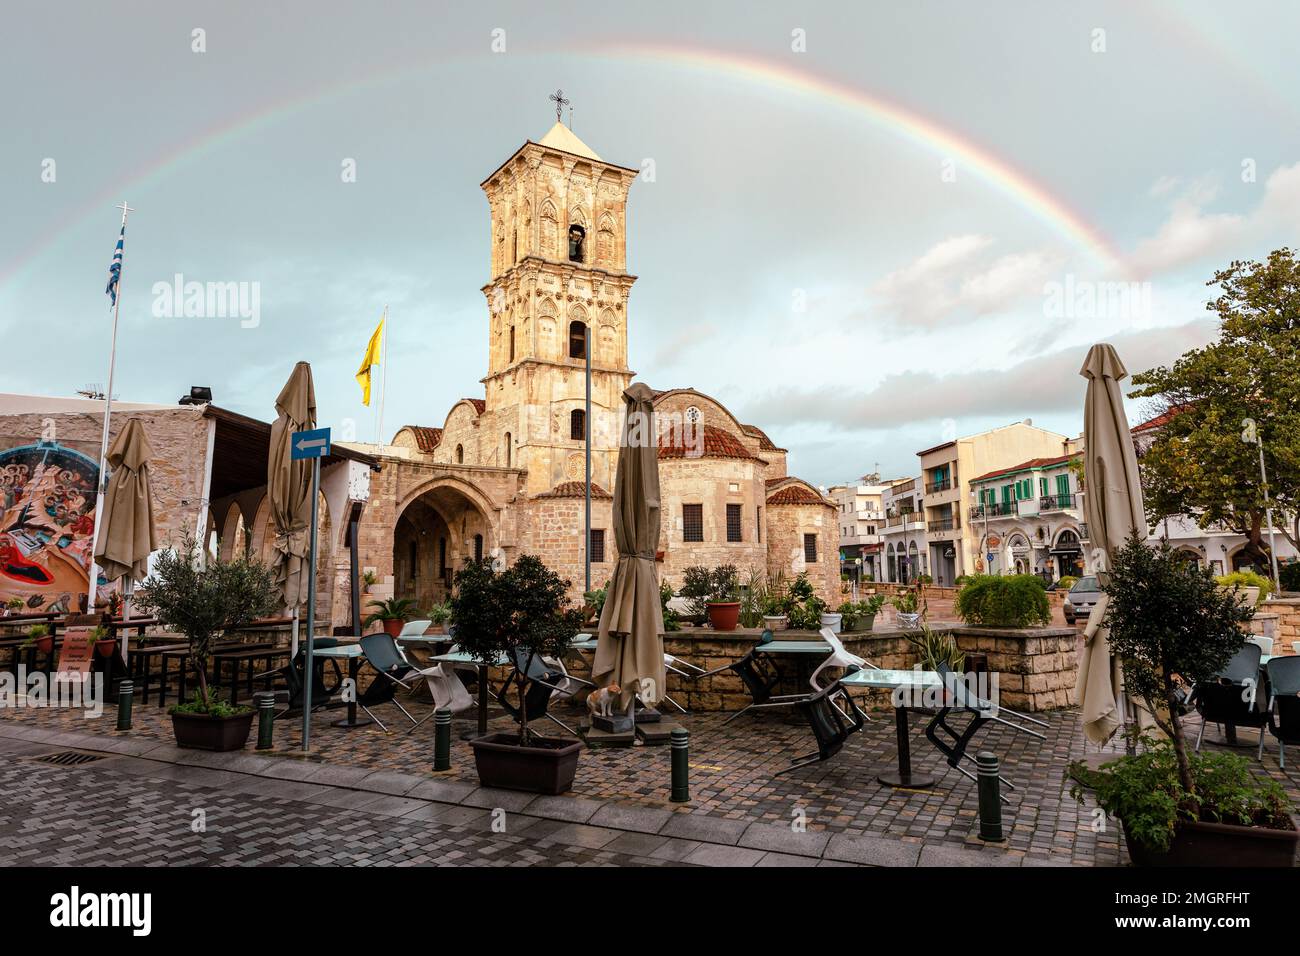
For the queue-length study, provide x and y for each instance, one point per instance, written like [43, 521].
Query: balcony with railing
[900, 518]
[934, 487]
[1057, 502]
[995, 509]
[944, 524]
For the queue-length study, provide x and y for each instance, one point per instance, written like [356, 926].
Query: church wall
[708, 482]
[786, 526]
[462, 428]
[556, 533]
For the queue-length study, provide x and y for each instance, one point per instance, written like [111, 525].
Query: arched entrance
[437, 531]
[1068, 552]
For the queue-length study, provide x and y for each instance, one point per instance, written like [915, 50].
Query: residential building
[946, 472]
[903, 555]
[1028, 518]
[861, 516]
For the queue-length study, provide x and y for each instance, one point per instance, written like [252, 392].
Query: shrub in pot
[722, 605]
[524, 613]
[671, 620]
[1004, 600]
[39, 635]
[391, 614]
[204, 599]
[907, 603]
[753, 598]
[803, 607]
[439, 616]
[595, 604]
[934, 648]
[1252, 588]
[1172, 626]
[697, 588]
[103, 641]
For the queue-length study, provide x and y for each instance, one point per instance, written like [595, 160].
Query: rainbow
[1035, 198]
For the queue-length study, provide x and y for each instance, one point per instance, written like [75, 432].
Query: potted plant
[753, 596]
[392, 614]
[13, 606]
[103, 641]
[1251, 588]
[868, 608]
[803, 607]
[697, 588]
[595, 604]
[671, 620]
[204, 597]
[1171, 626]
[523, 613]
[934, 648]
[906, 602]
[849, 612]
[368, 580]
[723, 602]
[1004, 600]
[39, 636]
[440, 616]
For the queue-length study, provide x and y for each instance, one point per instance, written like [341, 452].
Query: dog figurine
[601, 702]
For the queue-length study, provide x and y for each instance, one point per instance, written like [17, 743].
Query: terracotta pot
[547, 766]
[201, 732]
[45, 644]
[1219, 844]
[105, 648]
[393, 627]
[724, 615]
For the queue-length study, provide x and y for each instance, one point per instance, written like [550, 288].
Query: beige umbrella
[126, 534]
[630, 649]
[1114, 513]
[288, 483]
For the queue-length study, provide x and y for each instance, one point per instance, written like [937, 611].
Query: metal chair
[392, 671]
[1234, 697]
[760, 679]
[831, 724]
[1284, 712]
[839, 657]
[957, 696]
[541, 680]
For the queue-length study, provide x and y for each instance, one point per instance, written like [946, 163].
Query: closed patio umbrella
[127, 535]
[629, 648]
[1113, 510]
[288, 484]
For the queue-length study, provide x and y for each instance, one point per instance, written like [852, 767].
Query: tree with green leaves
[1244, 386]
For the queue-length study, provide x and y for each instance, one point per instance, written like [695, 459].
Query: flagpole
[93, 579]
[383, 385]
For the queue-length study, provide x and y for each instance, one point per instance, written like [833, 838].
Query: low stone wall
[1286, 627]
[1036, 667]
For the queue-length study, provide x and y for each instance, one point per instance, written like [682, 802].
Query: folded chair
[954, 742]
[322, 693]
[1235, 696]
[1284, 713]
[760, 679]
[543, 680]
[392, 671]
[839, 657]
[832, 716]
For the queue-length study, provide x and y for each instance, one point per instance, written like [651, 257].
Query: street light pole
[1268, 512]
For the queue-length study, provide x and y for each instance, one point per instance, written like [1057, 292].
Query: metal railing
[1058, 502]
[931, 487]
[943, 524]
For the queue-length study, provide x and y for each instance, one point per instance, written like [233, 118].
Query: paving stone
[872, 850]
[704, 828]
[385, 781]
[625, 817]
[564, 807]
[781, 838]
[786, 859]
[640, 844]
[711, 854]
[391, 805]
[491, 798]
[956, 856]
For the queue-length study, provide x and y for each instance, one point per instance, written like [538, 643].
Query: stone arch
[550, 231]
[606, 240]
[263, 532]
[434, 532]
[234, 533]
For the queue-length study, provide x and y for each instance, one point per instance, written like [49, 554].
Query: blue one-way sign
[312, 444]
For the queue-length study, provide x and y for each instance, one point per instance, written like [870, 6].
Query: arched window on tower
[577, 340]
[577, 424]
[460, 454]
[577, 239]
[508, 449]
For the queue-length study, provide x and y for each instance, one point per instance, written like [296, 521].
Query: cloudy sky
[870, 226]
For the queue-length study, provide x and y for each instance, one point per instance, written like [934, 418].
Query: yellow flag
[371, 358]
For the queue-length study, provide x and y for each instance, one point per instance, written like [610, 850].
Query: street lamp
[1251, 436]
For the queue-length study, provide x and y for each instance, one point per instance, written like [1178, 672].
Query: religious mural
[47, 525]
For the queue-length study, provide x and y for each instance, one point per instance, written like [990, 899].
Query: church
[502, 474]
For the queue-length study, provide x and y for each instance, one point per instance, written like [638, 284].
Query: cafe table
[914, 684]
[459, 658]
[353, 654]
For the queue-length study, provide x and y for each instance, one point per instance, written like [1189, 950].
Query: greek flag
[115, 270]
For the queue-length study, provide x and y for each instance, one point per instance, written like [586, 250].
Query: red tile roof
[480, 406]
[1027, 465]
[574, 489]
[764, 442]
[797, 493]
[718, 443]
[1151, 424]
[426, 439]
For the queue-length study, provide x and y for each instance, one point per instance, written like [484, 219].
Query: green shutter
[1062, 484]
[1042, 487]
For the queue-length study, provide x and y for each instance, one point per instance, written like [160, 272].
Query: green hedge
[1007, 600]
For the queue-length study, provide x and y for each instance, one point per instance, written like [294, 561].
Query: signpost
[313, 445]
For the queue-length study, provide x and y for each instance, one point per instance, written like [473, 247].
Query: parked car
[1081, 599]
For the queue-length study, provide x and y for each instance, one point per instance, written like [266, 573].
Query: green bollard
[990, 798]
[442, 739]
[125, 694]
[680, 750]
[265, 719]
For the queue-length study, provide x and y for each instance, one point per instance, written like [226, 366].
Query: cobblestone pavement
[732, 777]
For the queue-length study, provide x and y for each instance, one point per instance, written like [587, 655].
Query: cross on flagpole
[93, 578]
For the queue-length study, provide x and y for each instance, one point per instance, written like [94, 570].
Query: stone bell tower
[558, 270]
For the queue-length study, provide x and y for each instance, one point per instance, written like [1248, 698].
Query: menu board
[75, 655]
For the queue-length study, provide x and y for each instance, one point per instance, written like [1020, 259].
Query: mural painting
[47, 526]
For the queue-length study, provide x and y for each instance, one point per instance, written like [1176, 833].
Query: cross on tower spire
[560, 103]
